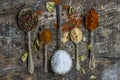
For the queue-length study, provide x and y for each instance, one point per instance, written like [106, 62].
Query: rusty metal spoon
[91, 22]
[27, 20]
[45, 37]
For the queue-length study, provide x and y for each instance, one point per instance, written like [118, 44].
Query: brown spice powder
[45, 36]
[91, 21]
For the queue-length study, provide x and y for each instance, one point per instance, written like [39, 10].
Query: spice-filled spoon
[91, 22]
[76, 37]
[45, 37]
[61, 61]
[28, 20]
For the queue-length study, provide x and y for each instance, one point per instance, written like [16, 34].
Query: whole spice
[28, 20]
[76, 37]
[91, 21]
[45, 37]
[50, 6]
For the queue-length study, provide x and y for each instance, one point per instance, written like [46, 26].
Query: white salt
[61, 62]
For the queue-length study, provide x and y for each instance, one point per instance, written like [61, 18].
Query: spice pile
[76, 35]
[28, 19]
[91, 21]
[61, 62]
[45, 36]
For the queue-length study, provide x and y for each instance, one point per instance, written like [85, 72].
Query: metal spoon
[91, 24]
[27, 28]
[60, 51]
[45, 37]
[76, 37]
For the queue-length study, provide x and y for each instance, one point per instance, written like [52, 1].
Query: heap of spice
[91, 21]
[45, 36]
[76, 35]
[61, 62]
[28, 19]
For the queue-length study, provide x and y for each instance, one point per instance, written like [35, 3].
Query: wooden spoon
[91, 22]
[45, 37]
[27, 20]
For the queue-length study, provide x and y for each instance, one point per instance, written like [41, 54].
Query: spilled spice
[45, 36]
[38, 12]
[65, 7]
[56, 1]
[91, 21]
[71, 24]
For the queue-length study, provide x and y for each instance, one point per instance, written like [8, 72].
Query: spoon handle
[45, 62]
[91, 60]
[30, 59]
[58, 15]
[77, 58]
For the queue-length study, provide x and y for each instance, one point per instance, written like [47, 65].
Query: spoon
[91, 23]
[61, 61]
[27, 20]
[45, 37]
[76, 37]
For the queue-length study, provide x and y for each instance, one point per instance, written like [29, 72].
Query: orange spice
[65, 7]
[38, 12]
[71, 24]
[56, 1]
[45, 36]
[91, 21]
[55, 25]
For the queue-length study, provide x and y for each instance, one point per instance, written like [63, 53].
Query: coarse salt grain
[61, 62]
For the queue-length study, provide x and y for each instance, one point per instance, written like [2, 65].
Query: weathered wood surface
[13, 42]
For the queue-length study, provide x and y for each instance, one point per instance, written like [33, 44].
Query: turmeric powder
[45, 36]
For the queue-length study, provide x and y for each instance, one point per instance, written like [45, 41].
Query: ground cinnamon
[45, 36]
[91, 21]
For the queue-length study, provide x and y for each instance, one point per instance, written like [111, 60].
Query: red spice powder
[91, 21]
[56, 1]
[38, 12]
